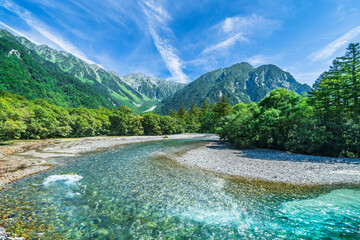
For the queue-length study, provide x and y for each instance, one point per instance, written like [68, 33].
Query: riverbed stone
[2, 233]
[272, 165]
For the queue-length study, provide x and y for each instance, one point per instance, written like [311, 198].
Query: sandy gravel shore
[272, 165]
[24, 158]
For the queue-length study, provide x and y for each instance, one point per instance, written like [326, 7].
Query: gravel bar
[272, 165]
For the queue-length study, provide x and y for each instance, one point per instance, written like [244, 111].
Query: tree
[351, 69]
[151, 124]
[205, 107]
[222, 108]
[182, 114]
[192, 121]
[194, 111]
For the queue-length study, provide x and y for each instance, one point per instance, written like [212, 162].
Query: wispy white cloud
[237, 29]
[260, 59]
[332, 47]
[43, 29]
[18, 33]
[243, 24]
[157, 20]
[226, 43]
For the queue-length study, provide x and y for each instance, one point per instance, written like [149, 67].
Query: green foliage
[23, 119]
[151, 123]
[182, 112]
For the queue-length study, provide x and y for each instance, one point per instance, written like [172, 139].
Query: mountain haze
[240, 83]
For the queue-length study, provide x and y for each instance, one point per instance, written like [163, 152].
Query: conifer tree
[182, 112]
[351, 70]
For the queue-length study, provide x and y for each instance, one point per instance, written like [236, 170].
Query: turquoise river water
[132, 192]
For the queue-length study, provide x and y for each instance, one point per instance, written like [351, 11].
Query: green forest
[37, 119]
[324, 122]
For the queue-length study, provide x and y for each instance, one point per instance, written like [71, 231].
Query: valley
[154, 119]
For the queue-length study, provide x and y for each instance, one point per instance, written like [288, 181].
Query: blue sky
[181, 40]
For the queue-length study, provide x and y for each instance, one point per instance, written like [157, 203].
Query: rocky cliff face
[154, 88]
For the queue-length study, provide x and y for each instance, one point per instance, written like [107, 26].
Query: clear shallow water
[132, 193]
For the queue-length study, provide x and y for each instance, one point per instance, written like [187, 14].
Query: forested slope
[22, 75]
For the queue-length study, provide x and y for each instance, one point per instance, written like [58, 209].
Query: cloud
[332, 47]
[260, 59]
[18, 33]
[157, 20]
[42, 29]
[226, 43]
[242, 24]
[237, 29]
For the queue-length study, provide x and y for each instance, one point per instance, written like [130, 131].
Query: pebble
[2, 234]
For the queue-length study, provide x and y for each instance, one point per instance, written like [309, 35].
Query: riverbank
[24, 158]
[271, 165]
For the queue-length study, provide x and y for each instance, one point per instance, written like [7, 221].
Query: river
[136, 192]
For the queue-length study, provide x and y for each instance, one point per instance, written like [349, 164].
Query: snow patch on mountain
[150, 109]
[136, 104]
[14, 52]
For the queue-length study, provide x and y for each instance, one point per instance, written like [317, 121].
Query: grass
[7, 143]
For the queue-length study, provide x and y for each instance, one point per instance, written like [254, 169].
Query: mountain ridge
[241, 82]
[20, 73]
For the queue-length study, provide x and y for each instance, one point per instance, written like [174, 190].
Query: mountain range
[38, 71]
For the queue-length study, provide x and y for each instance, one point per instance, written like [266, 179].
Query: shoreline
[271, 165]
[27, 157]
